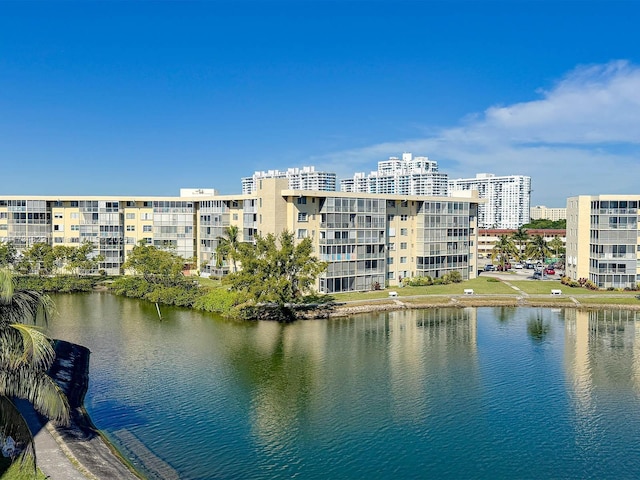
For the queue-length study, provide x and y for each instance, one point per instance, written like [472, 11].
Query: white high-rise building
[507, 198]
[407, 176]
[305, 178]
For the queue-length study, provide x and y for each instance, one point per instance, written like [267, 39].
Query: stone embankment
[88, 453]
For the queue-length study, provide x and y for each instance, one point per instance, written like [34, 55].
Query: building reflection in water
[381, 366]
[602, 352]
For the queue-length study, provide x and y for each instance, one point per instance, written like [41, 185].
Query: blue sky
[143, 98]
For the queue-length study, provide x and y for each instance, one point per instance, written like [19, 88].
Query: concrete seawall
[79, 450]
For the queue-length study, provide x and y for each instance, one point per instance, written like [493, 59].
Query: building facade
[507, 198]
[367, 240]
[488, 237]
[540, 212]
[603, 240]
[305, 178]
[406, 176]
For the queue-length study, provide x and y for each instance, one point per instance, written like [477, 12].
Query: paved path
[72, 453]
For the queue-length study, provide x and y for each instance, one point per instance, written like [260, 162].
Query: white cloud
[580, 137]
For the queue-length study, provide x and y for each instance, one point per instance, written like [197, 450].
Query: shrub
[218, 300]
[57, 284]
[419, 281]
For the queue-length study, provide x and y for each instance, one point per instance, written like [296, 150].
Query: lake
[437, 393]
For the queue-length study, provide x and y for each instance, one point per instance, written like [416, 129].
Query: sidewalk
[73, 453]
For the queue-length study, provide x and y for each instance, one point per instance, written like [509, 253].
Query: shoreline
[94, 456]
[465, 301]
[87, 449]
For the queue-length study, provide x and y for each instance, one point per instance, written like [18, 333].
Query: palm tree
[520, 237]
[229, 246]
[503, 250]
[26, 354]
[538, 248]
[556, 245]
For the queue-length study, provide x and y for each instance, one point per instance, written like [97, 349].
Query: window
[147, 228]
[302, 216]
[403, 245]
[58, 239]
[58, 228]
[131, 216]
[392, 246]
[75, 228]
[302, 200]
[235, 216]
[148, 241]
[390, 218]
[390, 261]
[403, 232]
[302, 233]
[57, 215]
[403, 259]
[74, 215]
[404, 218]
[131, 228]
[3, 214]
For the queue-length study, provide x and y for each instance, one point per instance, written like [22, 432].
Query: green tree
[537, 248]
[546, 224]
[556, 245]
[503, 250]
[8, 254]
[156, 265]
[39, 258]
[26, 354]
[520, 238]
[277, 270]
[229, 247]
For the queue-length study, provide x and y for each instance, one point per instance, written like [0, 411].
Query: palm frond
[39, 389]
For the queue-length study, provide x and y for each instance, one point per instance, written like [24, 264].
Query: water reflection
[436, 393]
[601, 355]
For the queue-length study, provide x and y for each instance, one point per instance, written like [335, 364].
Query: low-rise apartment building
[488, 237]
[603, 240]
[366, 239]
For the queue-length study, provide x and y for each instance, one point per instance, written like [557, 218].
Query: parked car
[518, 266]
[507, 266]
[549, 271]
[537, 275]
[489, 268]
[529, 266]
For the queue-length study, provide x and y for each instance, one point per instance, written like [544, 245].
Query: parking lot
[517, 274]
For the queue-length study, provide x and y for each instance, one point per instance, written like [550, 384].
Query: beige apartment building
[366, 239]
[488, 237]
[541, 212]
[603, 240]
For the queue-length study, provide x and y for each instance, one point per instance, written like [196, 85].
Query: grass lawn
[481, 285]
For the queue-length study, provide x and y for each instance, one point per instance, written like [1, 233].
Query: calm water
[473, 393]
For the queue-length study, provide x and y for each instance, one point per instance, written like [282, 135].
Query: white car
[518, 266]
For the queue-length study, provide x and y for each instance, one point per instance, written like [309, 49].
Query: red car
[549, 271]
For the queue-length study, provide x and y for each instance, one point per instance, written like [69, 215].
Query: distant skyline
[147, 97]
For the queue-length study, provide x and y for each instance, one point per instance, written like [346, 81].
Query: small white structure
[556, 292]
[393, 294]
[468, 291]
